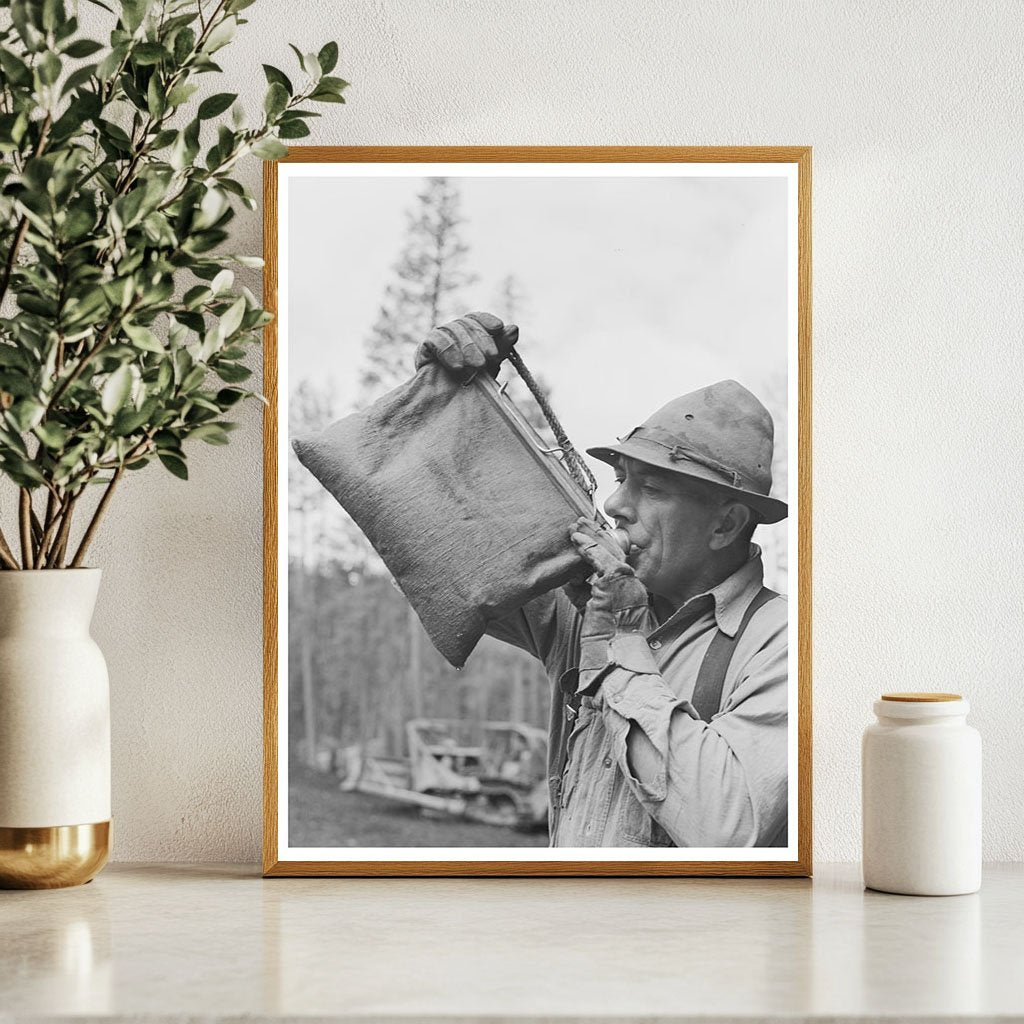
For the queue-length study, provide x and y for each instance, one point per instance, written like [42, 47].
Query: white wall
[914, 113]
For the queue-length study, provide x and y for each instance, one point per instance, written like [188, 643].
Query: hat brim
[768, 509]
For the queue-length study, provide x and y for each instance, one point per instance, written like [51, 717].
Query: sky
[636, 289]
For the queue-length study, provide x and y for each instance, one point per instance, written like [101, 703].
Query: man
[669, 711]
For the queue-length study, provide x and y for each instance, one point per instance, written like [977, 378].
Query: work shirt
[681, 781]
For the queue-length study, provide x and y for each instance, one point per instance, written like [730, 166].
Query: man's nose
[616, 505]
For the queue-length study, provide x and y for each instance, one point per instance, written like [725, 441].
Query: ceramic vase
[54, 731]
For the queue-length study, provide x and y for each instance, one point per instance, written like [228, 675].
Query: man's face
[669, 520]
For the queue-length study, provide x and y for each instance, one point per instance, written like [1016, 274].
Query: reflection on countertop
[177, 941]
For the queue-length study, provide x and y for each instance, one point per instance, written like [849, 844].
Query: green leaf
[234, 6]
[232, 373]
[328, 57]
[216, 104]
[129, 207]
[83, 48]
[269, 149]
[278, 77]
[184, 150]
[162, 139]
[184, 44]
[53, 14]
[16, 70]
[133, 13]
[53, 435]
[211, 433]
[232, 319]
[119, 291]
[196, 296]
[221, 35]
[11, 443]
[156, 100]
[227, 397]
[116, 390]
[334, 84]
[11, 356]
[35, 304]
[293, 130]
[128, 421]
[193, 379]
[143, 338]
[149, 53]
[167, 441]
[109, 65]
[26, 21]
[211, 208]
[21, 471]
[116, 134]
[181, 93]
[175, 465]
[78, 78]
[222, 282]
[164, 375]
[276, 99]
[49, 68]
[322, 96]
[26, 413]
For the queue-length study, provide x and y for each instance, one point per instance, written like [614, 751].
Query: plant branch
[6, 554]
[87, 356]
[25, 522]
[37, 528]
[22, 229]
[51, 524]
[60, 543]
[94, 523]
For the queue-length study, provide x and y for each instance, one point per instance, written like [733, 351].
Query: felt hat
[720, 434]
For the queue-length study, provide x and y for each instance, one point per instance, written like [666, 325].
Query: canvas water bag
[461, 498]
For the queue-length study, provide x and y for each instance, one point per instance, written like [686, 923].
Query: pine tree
[429, 277]
[510, 305]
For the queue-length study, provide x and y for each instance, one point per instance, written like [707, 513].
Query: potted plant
[122, 340]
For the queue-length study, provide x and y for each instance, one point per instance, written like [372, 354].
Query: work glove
[618, 601]
[467, 345]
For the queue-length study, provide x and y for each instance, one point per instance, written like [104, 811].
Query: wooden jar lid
[921, 698]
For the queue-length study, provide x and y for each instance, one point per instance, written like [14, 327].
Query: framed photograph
[538, 511]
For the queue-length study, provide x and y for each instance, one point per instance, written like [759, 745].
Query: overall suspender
[707, 692]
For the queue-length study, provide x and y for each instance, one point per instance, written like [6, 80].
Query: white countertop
[178, 941]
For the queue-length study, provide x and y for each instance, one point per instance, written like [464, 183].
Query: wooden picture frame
[282, 860]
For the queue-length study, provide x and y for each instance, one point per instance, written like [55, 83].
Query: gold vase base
[54, 857]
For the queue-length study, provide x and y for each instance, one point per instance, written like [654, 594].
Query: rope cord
[572, 460]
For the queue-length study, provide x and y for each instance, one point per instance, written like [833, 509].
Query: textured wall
[913, 110]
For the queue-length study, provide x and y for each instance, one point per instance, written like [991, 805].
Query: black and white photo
[538, 528]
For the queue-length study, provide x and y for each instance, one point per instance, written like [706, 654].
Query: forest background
[360, 664]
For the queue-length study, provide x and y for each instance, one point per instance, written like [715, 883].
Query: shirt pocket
[637, 828]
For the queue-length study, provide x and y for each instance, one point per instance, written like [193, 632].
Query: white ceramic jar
[921, 778]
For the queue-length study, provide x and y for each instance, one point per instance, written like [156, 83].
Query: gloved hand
[618, 600]
[473, 342]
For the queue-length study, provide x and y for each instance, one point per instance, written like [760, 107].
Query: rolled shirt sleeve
[707, 784]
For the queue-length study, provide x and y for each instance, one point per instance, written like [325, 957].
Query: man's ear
[732, 519]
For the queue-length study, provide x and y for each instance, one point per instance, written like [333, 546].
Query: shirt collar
[731, 597]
